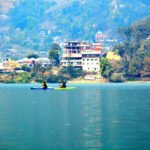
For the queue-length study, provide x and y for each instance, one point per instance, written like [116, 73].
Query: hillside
[32, 24]
[135, 50]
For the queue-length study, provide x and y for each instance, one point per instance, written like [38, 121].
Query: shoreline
[99, 81]
[83, 81]
[86, 81]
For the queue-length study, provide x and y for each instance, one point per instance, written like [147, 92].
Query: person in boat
[63, 84]
[44, 85]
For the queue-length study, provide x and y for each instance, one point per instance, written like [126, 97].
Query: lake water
[92, 117]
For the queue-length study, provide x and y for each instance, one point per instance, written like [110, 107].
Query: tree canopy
[32, 56]
[106, 69]
[134, 50]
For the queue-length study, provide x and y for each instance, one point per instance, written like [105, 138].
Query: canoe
[40, 88]
[67, 88]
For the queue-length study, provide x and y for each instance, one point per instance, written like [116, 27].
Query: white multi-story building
[82, 55]
[72, 54]
[91, 61]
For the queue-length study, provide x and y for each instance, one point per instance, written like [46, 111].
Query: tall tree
[106, 69]
[55, 46]
[54, 54]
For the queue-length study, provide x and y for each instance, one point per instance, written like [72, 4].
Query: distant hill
[32, 24]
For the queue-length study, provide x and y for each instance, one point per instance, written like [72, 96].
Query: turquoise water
[92, 117]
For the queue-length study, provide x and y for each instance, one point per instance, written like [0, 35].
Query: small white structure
[89, 78]
[29, 62]
[148, 38]
[44, 61]
[2, 66]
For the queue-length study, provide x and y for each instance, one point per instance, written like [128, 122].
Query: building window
[78, 63]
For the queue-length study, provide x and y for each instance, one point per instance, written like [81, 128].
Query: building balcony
[74, 65]
[72, 55]
[73, 61]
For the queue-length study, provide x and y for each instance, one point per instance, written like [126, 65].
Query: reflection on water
[97, 117]
[91, 113]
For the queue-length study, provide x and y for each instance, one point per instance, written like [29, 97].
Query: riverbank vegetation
[134, 52]
[39, 73]
[132, 64]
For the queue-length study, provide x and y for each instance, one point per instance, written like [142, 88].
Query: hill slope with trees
[135, 52]
[32, 24]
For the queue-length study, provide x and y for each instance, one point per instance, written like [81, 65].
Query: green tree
[117, 77]
[23, 78]
[55, 46]
[54, 55]
[53, 79]
[33, 56]
[72, 72]
[36, 68]
[26, 68]
[106, 69]
[135, 66]
[146, 64]
[120, 49]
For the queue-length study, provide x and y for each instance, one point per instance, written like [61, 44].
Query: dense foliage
[135, 50]
[54, 54]
[72, 72]
[106, 69]
[32, 56]
[32, 24]
[38, 73]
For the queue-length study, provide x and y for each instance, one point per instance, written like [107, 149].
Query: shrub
[26, 68]
[53, 79]
[117, 77]
[23, 78]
